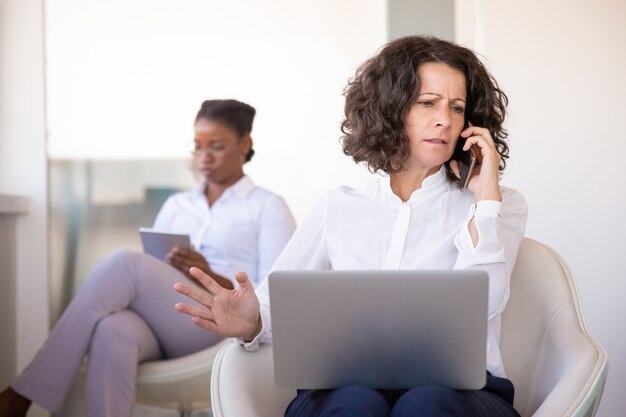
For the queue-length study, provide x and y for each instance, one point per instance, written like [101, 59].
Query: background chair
[164, 388]
[182, 384]
[557, 368]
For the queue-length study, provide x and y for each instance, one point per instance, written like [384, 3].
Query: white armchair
[558, 370]
[180, 385]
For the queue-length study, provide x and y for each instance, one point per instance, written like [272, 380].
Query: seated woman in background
[122, 314]
[405, 110]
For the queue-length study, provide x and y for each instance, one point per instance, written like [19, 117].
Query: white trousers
[122, 315]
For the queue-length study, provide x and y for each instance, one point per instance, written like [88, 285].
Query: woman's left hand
[485, 184]
[183, 258]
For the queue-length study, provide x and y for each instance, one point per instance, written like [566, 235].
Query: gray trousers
[122, 315]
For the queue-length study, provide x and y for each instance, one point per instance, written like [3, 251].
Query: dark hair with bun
[239, 116]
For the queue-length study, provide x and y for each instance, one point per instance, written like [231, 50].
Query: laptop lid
[381, 329]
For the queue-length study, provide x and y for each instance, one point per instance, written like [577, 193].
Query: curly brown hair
[385, 87]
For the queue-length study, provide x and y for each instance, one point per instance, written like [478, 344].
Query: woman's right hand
[183, 259]
[229, 313]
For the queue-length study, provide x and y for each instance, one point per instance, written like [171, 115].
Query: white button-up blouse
[244, 230]
[371, 228]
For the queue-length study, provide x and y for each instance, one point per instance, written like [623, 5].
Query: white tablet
[159, 243]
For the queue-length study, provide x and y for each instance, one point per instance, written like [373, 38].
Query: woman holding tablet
[406, 110]
[122, 314]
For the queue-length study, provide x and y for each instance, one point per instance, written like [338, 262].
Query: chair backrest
[556, 367]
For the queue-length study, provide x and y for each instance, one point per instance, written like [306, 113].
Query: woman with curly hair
[406, 109]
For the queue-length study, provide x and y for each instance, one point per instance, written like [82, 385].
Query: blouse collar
[432, 185]
[241, 188]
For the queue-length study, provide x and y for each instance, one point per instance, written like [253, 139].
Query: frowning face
[436, 119]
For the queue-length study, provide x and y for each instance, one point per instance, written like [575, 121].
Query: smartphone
[468, 161]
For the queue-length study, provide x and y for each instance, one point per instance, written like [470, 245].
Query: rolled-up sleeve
[500, 227]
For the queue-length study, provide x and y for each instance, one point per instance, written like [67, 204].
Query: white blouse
[244, 230]
[371, 228]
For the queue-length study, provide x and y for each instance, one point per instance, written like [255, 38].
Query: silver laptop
[381, 329]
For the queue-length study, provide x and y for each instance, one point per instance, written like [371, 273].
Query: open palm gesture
[229, 313]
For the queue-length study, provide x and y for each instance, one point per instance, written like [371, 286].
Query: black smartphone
[468, 161]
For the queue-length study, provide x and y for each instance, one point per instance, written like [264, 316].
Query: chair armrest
[180, 383]
[242, 384]
[184, 367]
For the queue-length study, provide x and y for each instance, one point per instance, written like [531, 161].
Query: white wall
[125, 80]
[562, 64]
[23, 164]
